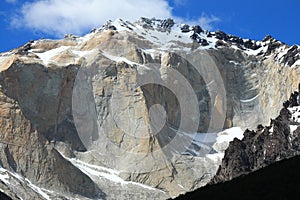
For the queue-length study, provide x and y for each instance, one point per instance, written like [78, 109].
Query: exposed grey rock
[185, 28]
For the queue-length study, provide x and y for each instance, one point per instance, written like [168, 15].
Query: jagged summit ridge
[152, 24]
[166, 35]
[283, 53]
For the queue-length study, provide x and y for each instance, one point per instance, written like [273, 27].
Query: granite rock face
[25, 121]
[114, 114]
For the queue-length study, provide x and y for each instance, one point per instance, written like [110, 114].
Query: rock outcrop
[264, 146]
[25, 122]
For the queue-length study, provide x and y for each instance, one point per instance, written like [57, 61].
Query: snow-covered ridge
[167, 35]
[165, 31]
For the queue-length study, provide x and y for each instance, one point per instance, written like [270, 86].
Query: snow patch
[103, 172]
[217, 141]
[2, 59]
[82, 53]
[257, 51]
[161, 38]
[293, 128]
[37, 190]
[295, 111]
[227, 136]
[234, 62]
[248, 100]
[155, 54]
[181, 186]
[46, 56]
[271, 130]
[282, 52]
[296, 64]
[119, 59]
[253, 75]
[6, 176]
[216, 157]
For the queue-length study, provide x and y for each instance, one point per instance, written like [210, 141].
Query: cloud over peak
[58, 17]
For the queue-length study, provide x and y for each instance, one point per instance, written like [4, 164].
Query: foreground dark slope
[4, 196]
[277, 181]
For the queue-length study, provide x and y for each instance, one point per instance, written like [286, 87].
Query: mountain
[138, 110]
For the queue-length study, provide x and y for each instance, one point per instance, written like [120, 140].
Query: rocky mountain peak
[166, 33]
[156, 24]
[63, 100]
[161, 25]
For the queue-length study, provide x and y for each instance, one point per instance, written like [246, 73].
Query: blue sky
[22, 20]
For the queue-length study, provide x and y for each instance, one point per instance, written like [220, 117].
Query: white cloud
[58, 17]
[206, 22]
[180, 2]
